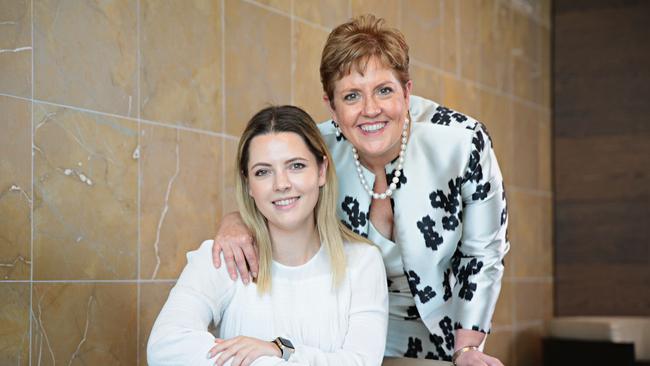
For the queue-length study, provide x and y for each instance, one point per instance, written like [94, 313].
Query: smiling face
[284, 180]
[370, 110]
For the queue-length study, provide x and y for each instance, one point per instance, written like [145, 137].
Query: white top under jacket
[450, 216]
[341, 327]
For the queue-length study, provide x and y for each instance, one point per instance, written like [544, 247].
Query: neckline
[310, 261]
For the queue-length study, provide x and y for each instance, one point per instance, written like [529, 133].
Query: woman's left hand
[243, 350]
[477, 358]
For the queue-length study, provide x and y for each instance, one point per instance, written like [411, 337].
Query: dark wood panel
[601, 114]
[602, 290]
[603, 233]
[601, 73]
[598, 168]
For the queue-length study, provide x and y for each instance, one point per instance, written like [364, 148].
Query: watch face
[285, 342]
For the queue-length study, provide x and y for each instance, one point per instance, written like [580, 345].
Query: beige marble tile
[14, 323]
[470, 45]
[421, 23]
[326, 13]
[526, 146]
[85, 188]
[504, 312]
[258, 62]
[530, 231]
[495, 113]
[527, 80]
[501, 344]
[495, 18]
[86, 54]
[526, 35]
[84, 323]
[152, 298]
[387, 9]
[281, 5]
[534, 301]
[450, 41]
[15, 189]
[16, 47]
[308, 44]
[545, 68]
[528, 346]
[545, 174]
[229, 174]
[180, 44]
[180, 197]
[427, 82]
[545, 12]
[460, 95]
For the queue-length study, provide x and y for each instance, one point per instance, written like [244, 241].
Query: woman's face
[284, 179]
[370, 110]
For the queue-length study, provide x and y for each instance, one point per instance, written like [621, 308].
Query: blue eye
[351, 97]
[261, 172]
[385, 90]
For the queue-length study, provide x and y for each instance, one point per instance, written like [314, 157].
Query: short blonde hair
[332, 232]
[352, 44]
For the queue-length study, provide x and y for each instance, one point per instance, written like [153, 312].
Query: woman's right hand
[236, 242]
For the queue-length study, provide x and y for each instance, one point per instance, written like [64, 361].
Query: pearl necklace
[398, 171]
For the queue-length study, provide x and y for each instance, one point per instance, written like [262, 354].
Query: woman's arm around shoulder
[180, 334]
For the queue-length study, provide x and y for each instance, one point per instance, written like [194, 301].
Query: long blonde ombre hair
[332, 232]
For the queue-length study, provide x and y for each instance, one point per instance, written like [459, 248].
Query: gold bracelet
[461, 351]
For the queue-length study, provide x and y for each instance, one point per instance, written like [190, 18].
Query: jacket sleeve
[478, 261]
[180, 334]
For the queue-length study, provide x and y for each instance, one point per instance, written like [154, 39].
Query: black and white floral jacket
[450, 215]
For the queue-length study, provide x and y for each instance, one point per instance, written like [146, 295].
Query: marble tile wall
[120, 119]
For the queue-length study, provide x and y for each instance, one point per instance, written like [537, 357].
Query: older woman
[419, 180]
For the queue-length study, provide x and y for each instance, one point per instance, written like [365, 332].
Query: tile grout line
[481, 86]
[267, 7]
[138, 297]
[132, 119]
[400, 3]
[223, 99]
[292, 54]
[31, 210]
[529, 279]
[531, 191]
[441, 50]
[459, 54]
[291, 16]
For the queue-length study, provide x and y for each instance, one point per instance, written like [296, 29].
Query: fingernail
[245, 281]
[255, 274]
[209, 355]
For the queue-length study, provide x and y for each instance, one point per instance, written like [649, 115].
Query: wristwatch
[285, 346]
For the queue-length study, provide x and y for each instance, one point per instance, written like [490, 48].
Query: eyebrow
[292, 160]
[380, 85]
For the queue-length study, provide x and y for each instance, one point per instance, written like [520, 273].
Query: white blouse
[342, 326]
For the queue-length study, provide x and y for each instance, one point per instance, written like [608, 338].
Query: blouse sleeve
[180, 334]
[368, 321]
[478, 261]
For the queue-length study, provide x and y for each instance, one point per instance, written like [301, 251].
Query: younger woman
[320, 297]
